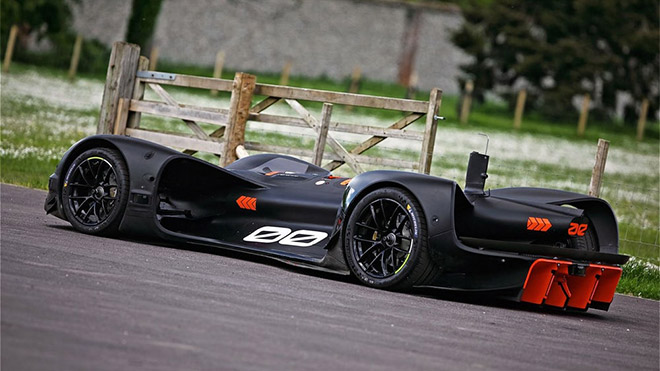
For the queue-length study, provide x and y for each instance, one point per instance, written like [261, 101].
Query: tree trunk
[142, 23]
[409, 45]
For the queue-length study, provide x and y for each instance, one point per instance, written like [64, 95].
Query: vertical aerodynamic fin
[475, 179]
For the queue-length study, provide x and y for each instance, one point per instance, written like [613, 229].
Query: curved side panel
[145, 161]
[596, 209]
[436, 195]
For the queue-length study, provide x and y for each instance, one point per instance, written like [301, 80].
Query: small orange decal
[272, 173]
[345, 182]
[248, 203]
[576, 229]
[538, 224]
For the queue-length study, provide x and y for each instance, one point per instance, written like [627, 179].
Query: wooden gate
[124, 103]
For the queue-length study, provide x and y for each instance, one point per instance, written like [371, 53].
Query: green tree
[142, 23]
[563, 48]
[50, 19]
[43, 17]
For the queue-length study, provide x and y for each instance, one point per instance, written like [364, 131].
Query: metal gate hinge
[156, 75]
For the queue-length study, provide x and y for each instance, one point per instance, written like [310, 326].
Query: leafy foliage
[45, 17]
[563, 48]
[50, 19]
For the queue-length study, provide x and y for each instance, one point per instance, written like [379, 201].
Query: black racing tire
[385, 241]
[95, 191]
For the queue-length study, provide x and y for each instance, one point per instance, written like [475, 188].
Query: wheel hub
[389, 240]
[99, 192]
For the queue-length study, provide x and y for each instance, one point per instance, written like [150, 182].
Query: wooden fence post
[286, 70]
[119, 83]
[138, 93]
[520, 109]
[119, 128]
[75, 57]
[428, 144]
[467, 101]
[319, 146]
[239, 110]
[9, 52]
[217, 69]
[584, 115]
[599, 168]
[153, 58]
[411, 91]
[355, 80]
[354, 88]
[641, 123]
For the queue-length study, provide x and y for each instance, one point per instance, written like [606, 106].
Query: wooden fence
[123, 103]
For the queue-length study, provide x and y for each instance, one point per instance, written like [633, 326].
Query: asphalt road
[75, 302]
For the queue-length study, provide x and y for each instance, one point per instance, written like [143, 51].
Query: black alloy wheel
[385, 241]
[95, 191]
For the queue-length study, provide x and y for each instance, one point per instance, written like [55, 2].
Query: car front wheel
[95, 191]
[386, 241]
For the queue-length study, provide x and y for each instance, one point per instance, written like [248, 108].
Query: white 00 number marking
[300, 238]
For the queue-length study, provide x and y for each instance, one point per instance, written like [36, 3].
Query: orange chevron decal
[538, 224]
[248, 203]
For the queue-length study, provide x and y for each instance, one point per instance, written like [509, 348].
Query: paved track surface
[75, 302]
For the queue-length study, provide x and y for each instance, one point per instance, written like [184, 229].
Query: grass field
[43, 114]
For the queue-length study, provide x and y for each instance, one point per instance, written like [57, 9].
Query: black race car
[390, 229]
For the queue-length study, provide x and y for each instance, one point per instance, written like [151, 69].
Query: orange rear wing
[565, 284]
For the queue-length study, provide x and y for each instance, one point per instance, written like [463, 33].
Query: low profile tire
[95, 191]
[386, 241]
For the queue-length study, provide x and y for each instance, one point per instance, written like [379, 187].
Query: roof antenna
[487, 141]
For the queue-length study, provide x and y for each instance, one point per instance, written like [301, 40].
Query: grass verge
[640, 278]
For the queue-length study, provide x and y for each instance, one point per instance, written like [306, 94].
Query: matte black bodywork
[481, 239]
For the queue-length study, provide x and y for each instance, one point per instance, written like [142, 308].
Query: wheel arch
[67, 159]
[368, 189]
[80, 147]
[437, 196]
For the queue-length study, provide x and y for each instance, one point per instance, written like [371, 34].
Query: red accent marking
[248, 203]
[581, 229]
[547, 225]
[272, 173]
[239, 201]
[538, 224]
[548, 282]
[576, 229]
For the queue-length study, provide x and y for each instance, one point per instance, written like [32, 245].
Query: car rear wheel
[386, 241]
[95, 191]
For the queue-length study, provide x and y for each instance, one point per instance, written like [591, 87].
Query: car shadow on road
[472, 298]
[502, 302]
